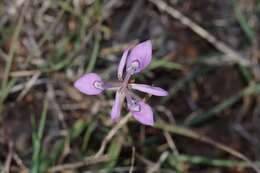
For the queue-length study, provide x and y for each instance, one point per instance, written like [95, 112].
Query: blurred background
[205, 53]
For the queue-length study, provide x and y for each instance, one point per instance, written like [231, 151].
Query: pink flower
[132, 62]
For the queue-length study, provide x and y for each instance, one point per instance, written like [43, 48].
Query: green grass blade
[94, 54]
[180, 84]
[250, 33]
[92, 126]
[77, 128]
[202, 160]
[113, 152]
[252, 89]
[4, 93]
[164, 64]
[37, 140]
[245, 73]
[12, 52]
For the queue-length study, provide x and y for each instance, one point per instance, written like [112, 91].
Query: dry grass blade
[111, 133]
[224, 48]
[19, 162]
[20, 86]
[132, 160]
[128, 22]
[87, 161]
[11, 53]
[8, 158]
[192, 134]
[28, 86]
[156, 167]
[56, 107]
[9, 62]
[171, 143]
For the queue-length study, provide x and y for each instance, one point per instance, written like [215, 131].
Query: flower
[133, 61]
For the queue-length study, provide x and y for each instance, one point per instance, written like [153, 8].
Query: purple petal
[144, 115]
[140, 57]
[149, 89]
[121, 65]
[116, 110]
[90, 84]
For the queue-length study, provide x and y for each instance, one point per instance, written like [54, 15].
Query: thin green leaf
[250, 90]
[37, 140]
[202, 160]
[94, 54]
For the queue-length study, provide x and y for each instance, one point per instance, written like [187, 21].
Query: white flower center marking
[98, 85]
[135, 64]
[133, 67]
[134, 106]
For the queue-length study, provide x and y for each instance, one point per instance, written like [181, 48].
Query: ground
[205, 53]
